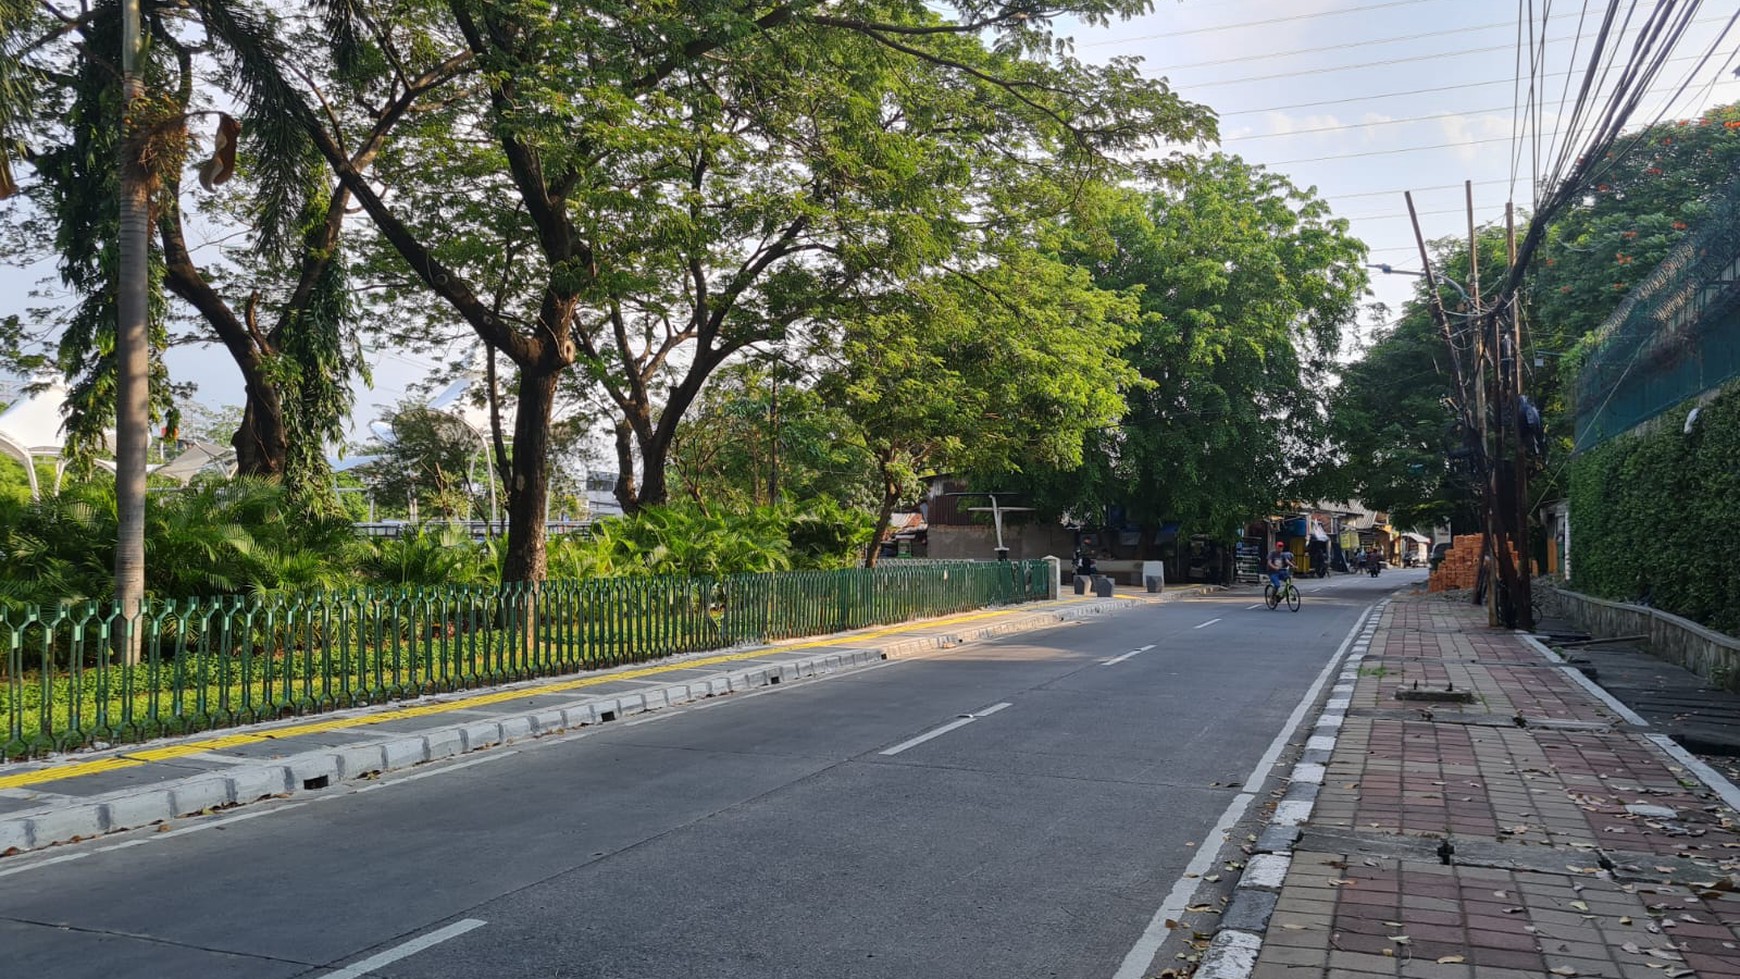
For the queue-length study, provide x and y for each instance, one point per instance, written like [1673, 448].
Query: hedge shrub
[1653, 516]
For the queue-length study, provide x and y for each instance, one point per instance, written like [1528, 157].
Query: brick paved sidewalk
[1529, 832]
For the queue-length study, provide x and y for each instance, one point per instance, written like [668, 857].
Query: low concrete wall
[1709, 654]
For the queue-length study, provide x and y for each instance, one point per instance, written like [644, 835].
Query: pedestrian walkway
[84, 794]
[1507, 820]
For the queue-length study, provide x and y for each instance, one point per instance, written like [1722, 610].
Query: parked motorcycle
[1371, 568]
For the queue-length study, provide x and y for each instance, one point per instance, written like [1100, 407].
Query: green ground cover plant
[1649, 513]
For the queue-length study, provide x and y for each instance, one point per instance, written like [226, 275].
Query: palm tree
[132, 345]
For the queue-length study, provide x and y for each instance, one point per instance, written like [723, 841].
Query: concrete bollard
[1054, 577]
[1103, 586]
[1154, 576]
[1081, 584]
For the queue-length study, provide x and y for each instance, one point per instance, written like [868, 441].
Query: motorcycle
[1371, 568]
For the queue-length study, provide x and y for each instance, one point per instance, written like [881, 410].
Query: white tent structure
[31, 430]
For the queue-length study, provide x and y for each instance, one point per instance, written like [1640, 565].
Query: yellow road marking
[133, 759]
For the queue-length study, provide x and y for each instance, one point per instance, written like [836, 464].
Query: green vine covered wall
[1654, 516]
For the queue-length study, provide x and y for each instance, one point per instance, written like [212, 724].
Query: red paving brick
[1564, 789]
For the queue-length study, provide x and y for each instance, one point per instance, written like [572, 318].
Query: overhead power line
[1458, 87]
[1256, 23]
[1370, 42]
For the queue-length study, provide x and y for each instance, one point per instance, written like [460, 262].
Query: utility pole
[1489, 552]
[1522, 585]
[132, 349]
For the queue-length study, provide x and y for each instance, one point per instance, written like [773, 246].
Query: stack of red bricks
[1460, 567]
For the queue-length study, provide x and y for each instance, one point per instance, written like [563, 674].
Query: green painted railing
[222, 662]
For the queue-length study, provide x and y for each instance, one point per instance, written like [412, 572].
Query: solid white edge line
[1717, 782]
[1594, 688]
[411, 947]
[43, 863]
[215, 823]
[994, 708]
[1141, 955]
[1205, 624]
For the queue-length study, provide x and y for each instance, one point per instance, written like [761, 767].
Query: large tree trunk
[262, 443]
[529, 491]
[884, 517]
[132, 353]
[655, 454]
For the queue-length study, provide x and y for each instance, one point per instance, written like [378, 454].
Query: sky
[1365, 99]
[1360, 99]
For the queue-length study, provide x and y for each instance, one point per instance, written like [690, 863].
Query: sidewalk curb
[44, 826]
[1232, 954]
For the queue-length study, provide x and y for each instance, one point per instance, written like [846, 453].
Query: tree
[279, 299]
[1246, 283]
[761, 433]
[983, 371]
[1395, 433]
[701, 177]
[435, 459]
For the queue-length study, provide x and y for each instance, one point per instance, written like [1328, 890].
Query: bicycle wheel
[1292, 598]
[1271, 597]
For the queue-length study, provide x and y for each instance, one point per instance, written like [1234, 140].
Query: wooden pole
[1522, 595]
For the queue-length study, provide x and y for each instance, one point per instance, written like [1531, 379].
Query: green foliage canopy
[1245, 284]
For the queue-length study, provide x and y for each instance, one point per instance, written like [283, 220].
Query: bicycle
[1273, 597]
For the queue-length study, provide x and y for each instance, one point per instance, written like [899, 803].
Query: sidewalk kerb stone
[1728, 791]
[74, 822]
[252, 783]
[1266, 871]
[548, 721]
[484, 734]
[15, 835]
[314, 765]
[1594, 689]
[443, 743]
[357, 760]
[404, 752]
[1291, 812]
[1232, 955]
[197, 794]
[141, 809]
[1249, 910]
[1309, 772]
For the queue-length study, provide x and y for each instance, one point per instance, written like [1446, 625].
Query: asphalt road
[1017, 808]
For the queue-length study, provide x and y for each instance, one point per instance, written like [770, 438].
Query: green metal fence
[1677, 334]
[211, 663]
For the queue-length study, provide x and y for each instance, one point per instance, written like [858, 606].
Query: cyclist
[1280, 564]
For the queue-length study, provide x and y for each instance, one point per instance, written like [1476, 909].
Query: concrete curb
[1232, 954]
[34, 829]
